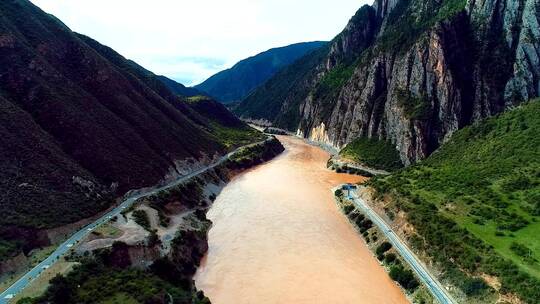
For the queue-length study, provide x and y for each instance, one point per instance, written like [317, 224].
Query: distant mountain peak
[178, 88]
[237, 82]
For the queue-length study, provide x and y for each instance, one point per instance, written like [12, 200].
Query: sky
[190, 40]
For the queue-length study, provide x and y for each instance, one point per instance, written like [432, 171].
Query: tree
[383, 247]
[60, 290]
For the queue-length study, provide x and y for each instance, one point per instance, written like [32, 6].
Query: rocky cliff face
[416, 71]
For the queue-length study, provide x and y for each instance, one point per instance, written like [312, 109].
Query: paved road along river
[65, 247]
[278, 237]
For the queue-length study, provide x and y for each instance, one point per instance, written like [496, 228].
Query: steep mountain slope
[235, 83]
[80, 125]
[225, 127]
[278, 99]
[409, 71]
[474, 205]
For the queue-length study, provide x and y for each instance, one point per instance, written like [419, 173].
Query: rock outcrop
[412, 72]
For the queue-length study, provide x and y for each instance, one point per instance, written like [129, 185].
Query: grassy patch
[328, 89]
[375, 153]
[235, 137]
[41, 254]
[195, 99]
[225, 128]
[475, 202]
[107, 231]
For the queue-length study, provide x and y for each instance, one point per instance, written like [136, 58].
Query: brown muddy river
[278, 237]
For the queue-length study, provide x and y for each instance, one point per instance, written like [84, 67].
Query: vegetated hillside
[475, 204]
[374, 153]
[237, 82]
[214, 111]
[279, 98]
[80, 125]
[409, 71]
[99, 280]
[225, 127]
[151, 271]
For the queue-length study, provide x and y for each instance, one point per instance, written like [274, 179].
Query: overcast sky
[190, 40]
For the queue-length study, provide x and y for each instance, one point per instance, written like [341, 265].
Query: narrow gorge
[410, 72]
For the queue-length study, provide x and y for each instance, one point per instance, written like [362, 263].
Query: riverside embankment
[182, 192]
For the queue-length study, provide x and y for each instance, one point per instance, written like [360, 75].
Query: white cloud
[200, 33]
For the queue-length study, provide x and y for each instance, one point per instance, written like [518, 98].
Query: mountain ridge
[81, 125]
[178, 88]
[408, 71]
[235, 83]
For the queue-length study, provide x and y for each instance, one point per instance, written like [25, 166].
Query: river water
[278, 237]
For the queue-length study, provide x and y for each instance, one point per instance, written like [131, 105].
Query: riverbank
[13, 269]
[383, 251]
[340, 165]
[335, 162]
[181, 209]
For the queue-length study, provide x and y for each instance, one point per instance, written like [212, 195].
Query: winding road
[434, 286]
[66, 246]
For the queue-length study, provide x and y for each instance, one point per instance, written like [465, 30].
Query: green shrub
[348, 209]
[363, 223]
[404, 277]
[141, 218]
[390, 258]
[523, 251]
[383, 247]
[8, 249]
[474, 286]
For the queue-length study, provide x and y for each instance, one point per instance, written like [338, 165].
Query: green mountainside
[475, 203]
